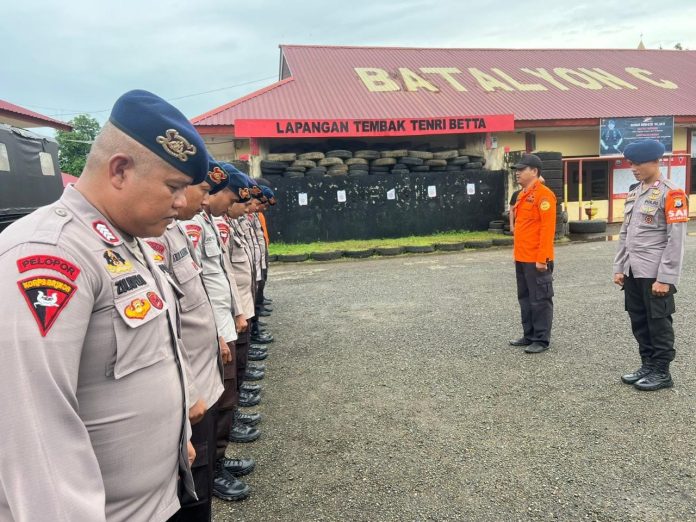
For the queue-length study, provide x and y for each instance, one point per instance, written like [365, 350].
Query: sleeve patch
[194, 234]
[676, 207]
[544, 205]
[41, 262]
[46, 297]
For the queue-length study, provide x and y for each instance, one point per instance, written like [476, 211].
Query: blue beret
[216, 177]
[163, 129]
[254, 189]
[268, 193]
[643, 151]
[237, 181]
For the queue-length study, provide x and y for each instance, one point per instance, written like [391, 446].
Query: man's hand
[225, 351]
[197, 411]
[191, 453]
[542, 267]
[619, 279]
[660, 289]
[240, 324]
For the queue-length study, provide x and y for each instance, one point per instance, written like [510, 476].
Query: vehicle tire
[437, 169]
[358, 174]
[296, 169]
[314, 156]
[272, 165]
[545, 155]
[367, 154]
[449, 247]
[342, 154]
[294, 175]
[446, 154]
[381, 169]
[292, 258]
[419, 249]
[286, 156]
[312, 173]
[420, 168]
[304, 163]
[436, 163]
[411, 162]
[461, 160]
[474, 165]
[453, 168]
[381, 162]
[556, 184]
[478, 244]
[400, 166]
[594, 226]
[326, 256]
[359, 254]
[422, 154]
[328, 162]
[356, 161]
[552, 174]
[389, 251]
[470, 153]
[551, 165]
[498, 223]
[357, 168]
[395, 153]
[400, 172]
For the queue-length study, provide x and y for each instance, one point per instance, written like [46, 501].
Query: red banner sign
[384, 127]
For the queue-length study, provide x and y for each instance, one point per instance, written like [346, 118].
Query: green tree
[75, 145]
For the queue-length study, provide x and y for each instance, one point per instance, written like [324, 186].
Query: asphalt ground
[392, 395]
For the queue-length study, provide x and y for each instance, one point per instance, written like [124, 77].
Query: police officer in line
[202, 348]
[535, 223]
[88, 316]
[229, 319]
[648, 262]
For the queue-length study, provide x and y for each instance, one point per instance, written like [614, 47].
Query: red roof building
[17, 116]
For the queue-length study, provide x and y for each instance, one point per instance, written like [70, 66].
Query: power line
[72, 113]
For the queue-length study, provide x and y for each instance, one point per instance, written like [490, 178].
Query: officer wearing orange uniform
[535, 223]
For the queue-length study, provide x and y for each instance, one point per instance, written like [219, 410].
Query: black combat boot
[645, 369]
[226, 486]
[657, 379]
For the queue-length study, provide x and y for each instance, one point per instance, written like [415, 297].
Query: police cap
[217, 178]
[237, 182]
[163, 129]
[528, 160]
[643, 151]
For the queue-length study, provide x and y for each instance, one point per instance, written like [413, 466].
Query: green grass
[363, 244]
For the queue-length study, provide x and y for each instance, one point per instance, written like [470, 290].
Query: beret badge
[218, 175]
[176, 145]
[244, 193]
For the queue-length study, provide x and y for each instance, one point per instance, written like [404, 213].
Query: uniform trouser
[203, 439]
[651, 319]
[535, 293]
[227, 403]
[242, 356]
[258, 300]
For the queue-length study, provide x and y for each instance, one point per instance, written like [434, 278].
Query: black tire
[419, 249]
[400, 166]
[273, 165]
[379, 168]
[315, 173]
[292, 258]
[294, 175]
[453, 168]
[552, 174]
[478, 244]
[545, 155]
[286, 156]
[438, 169]
[558, 192]
[337, 173]
[326, 256]
[296, 169]
[358, 174]
[401, 172]
[551, 165]
[395, 153]
[436, 163]
[304, 163]
[367, 154]
[314, 156]
[502, 241]
[359, 254]
[317, 169]
[474, 165]
[338, 168]
[594, 226]
[342, 154]
[446, 154]
[420, 168]
[381, 162]
[422, 154]
[328, 162]
[554, 183]
[497, 224]
[363, 168]
[272, 172]
[356, 161]
[461, 160]
[414, 162]
[449, 247]
[389, 251]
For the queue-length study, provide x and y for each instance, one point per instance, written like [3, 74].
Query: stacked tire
[364, 162]
[552, 171]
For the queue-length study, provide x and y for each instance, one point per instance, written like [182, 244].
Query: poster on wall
[671, 167]
[616, 133]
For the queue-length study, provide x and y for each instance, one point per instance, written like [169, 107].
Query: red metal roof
[30, 118]
[324, 84]
[68, 178]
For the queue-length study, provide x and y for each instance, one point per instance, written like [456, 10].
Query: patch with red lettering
[676, 207]
[137, 309]
[159, 249]
[46, 296]
[194, 234]
[224, 230]
[155, 300]
[105, 232]
[58, 264]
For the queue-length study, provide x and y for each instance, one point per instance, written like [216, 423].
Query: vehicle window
[47, 168]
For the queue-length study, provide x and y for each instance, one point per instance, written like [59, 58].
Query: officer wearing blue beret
[105, 372]
[648, 262]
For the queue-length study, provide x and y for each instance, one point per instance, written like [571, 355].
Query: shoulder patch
[676, 207]
[224, 231]
[105, 232]
[46, 297]
[40, 262]
[194, 233]
[159, 249]
[544, 205]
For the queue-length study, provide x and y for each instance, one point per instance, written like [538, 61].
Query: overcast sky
[61, 58]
